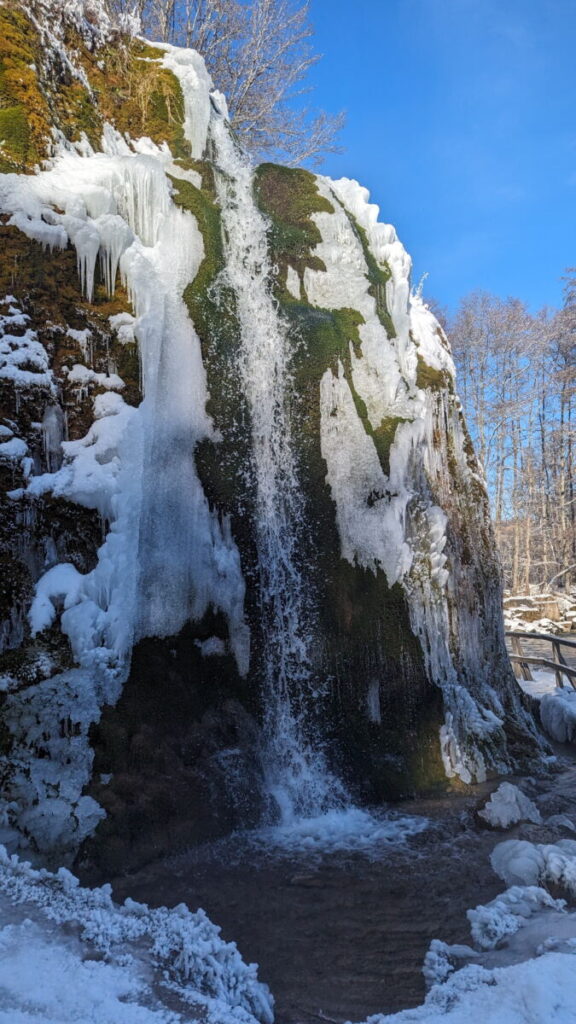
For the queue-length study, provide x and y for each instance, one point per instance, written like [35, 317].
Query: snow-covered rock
[508, 805]
[519, 862]
[558, 714]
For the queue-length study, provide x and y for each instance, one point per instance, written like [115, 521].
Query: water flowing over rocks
[249, 575]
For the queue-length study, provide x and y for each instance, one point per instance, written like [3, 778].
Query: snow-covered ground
[69, 954]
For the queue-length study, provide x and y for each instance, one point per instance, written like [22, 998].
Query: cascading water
[295, 767]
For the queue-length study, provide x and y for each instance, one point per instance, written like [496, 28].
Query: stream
[340, 934]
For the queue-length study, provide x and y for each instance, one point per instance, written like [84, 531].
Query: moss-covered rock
[128, 88]
[288, 197]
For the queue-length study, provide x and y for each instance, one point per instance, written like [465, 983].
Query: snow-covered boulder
[558, 714]
[507, 806]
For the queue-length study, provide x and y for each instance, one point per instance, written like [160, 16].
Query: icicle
[87, 244]
[115, 237]
[52, 435]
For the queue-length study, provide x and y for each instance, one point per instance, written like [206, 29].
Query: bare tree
[516, 378]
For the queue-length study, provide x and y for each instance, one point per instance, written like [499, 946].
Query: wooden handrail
[559, 666]
[523, 659]
[542, 636]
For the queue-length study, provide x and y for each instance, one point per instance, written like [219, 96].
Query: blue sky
[462, 123]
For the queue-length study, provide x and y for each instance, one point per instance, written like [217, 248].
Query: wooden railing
[521, 662]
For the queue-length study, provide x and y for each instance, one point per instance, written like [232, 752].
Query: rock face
[248, 570]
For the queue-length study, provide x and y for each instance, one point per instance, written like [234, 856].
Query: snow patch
[506, 914]
[82, 376]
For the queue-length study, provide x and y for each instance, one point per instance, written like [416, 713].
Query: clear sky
[462, 124]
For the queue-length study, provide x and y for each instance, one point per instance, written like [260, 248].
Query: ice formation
[519, 862]
[558, 714]
[117, 207]
[508, 805]
[71, 954]
[23, 359]
[506, 914]
[377, 530]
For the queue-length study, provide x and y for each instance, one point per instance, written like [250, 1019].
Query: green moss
[324, 342]
[129, 88]
[383, 437]
[147, 50]
[24, 112]
[14, 135]
[400, 755]
[288, 197]
[201, 304]
[133, 91]
[204, 169]
[222, 466]
[428, 377]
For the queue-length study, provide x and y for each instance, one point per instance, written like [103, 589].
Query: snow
[539, 991]
[82, 376]
[61, 583]
[542, 682]
[370, 511]
[214, 646]
[293, 282]
[505, 915]
[557, 704]
[69, 954]
[519, 862]
[370, 508]
[558, 714]
[508, 805]
[13, 450]
[23, 359]
[91, 467]
[123, 324]
[190, 70]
